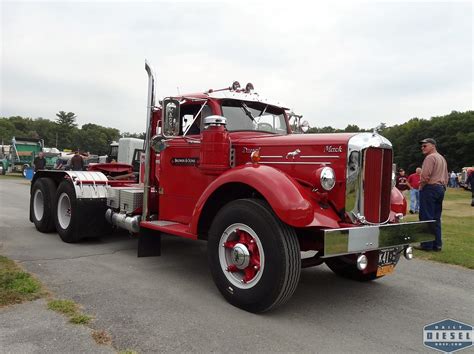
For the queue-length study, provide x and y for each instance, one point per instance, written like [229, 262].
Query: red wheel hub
[245, 255]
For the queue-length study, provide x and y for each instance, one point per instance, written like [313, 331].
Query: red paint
[398, 203]
[214, 156]
[286, 197]
[110, 168]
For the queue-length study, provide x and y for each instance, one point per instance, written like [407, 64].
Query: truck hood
[301, 155]
[292, 148]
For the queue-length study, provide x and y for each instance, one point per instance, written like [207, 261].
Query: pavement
[170, 304]
[32, 328]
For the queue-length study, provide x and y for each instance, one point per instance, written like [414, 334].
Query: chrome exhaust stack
[149, 117]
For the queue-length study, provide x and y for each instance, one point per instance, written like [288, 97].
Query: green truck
[23, 152]
[4, 159]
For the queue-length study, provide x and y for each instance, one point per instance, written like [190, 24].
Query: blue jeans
[431, 206]
[415, 200]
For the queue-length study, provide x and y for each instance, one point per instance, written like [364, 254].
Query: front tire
[254, 258]
[23, 170]
[42, 203]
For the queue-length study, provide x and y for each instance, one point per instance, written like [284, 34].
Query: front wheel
[254, 258]
[24, 169]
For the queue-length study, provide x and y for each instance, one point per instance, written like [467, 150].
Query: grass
[70, 309]
[457, 223]
[12, 176]
[102, 337]
[16, 285]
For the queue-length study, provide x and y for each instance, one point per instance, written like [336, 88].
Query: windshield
[254, 116]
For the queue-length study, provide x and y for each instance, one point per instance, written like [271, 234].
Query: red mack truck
[224, 166]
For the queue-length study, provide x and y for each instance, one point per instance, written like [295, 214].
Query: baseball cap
[428, 140]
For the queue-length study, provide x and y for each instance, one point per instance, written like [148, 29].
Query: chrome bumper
[368, 238]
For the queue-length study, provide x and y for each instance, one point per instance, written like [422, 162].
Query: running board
[169, 227]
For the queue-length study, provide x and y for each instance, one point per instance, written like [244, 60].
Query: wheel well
[218, 199]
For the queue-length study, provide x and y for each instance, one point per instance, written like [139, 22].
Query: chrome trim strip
[296, 163]
[301, 157]
[368, 238]
[320, 157]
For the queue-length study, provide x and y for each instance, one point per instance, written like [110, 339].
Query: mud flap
[149, 243]
[91, 218]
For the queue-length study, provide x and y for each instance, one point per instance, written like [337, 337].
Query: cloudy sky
[351, 63]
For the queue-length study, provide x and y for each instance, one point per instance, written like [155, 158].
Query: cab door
[181, 181]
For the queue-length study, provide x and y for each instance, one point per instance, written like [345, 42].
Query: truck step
[169, 227]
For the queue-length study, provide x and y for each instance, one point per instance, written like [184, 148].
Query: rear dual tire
[66, 217]
[42, 204]
[59, 210]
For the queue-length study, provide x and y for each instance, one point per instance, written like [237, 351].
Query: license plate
[386, 269]
[388, 258]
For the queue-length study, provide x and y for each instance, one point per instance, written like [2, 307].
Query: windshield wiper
[247, 111]
[264, 111]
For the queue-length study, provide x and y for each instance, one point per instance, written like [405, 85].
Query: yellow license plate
[386, 269]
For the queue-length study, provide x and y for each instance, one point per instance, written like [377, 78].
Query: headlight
[325, 178]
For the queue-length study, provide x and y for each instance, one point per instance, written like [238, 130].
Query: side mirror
[171, 117]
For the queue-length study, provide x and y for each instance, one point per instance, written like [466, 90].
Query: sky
[353, 62]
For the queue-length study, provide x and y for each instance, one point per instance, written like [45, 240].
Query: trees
[66, 120]
[62, 133]
[454, 133]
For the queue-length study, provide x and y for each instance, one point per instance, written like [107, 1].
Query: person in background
[39, 162]
[77, 162]
[414, 185]
[433, 181]
[470, 182]
[452, 180]
[402, 183]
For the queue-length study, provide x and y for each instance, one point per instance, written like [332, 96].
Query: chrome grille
[377, 183]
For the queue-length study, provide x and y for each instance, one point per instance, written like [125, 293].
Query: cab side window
[188, 112]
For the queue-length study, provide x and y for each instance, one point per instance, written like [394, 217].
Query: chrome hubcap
[241, 256]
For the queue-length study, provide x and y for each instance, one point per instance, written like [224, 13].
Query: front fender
[398, 203]
[285, 196]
